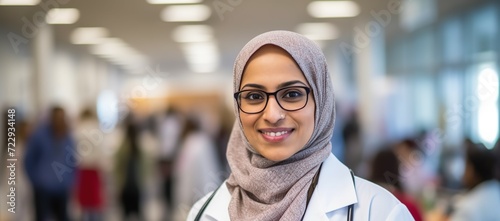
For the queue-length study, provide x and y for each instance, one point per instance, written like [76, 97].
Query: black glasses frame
[237, 94]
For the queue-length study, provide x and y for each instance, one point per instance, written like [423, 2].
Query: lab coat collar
[219, 207]
[335, 190]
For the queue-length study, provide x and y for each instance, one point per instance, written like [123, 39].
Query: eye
[292, 94]
[252, 96]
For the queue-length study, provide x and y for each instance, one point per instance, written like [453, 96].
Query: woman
[130, 167]
[194, 168]
[279, 150]
[89, 184]
[385, 172]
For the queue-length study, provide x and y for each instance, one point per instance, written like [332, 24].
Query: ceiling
[138, 23]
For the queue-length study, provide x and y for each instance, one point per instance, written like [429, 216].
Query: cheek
[311, 114]
[248, 123]
[307, 121]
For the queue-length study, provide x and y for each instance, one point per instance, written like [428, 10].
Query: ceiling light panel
[318, 31]
[202, 57]
[333, 9]
[186, 13]
[62, 16]
[120, 53]
[19, 2]
[110, 47]
[159, 2]
[89, 35]
[192, 33]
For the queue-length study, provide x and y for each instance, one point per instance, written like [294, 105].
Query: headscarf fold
[262, 189]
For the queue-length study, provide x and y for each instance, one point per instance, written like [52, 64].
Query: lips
[275, 135]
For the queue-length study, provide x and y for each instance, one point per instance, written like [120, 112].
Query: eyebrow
[282, 85]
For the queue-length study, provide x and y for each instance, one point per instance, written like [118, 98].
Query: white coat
[196, 172]
[480, 204]
[333, 194]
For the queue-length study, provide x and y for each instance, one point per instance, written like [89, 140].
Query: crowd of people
[148, 168]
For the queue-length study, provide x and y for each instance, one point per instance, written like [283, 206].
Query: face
[275, 133]
[58, 120]
[469, 178]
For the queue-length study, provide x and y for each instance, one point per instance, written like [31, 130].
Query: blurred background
[138, 95]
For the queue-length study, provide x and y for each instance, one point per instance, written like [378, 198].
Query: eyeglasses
[289, 98]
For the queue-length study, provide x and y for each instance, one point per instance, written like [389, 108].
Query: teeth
[275, 134]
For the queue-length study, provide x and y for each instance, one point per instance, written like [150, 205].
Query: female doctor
[280, 151]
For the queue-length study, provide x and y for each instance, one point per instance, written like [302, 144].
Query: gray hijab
[262, 189]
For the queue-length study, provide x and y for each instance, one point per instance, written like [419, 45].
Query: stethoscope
[350, 208]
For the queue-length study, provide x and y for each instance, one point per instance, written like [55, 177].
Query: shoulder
[472, 203]
[197, 207]
[216, 209]
[336, 191]
[367, 190]
[486, 191]
[376, 203]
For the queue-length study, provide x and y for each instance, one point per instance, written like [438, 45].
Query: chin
[276, 156]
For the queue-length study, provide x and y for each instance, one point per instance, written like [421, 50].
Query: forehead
[271, 65]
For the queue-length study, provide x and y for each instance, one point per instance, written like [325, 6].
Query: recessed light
[109, 47]
[185, 13]
[192, 33]
[89, 35]
[158, 2]
[202, 57]
[318, 31]
[333, 9]
[62, 16]
[19, 2]
[120, 53]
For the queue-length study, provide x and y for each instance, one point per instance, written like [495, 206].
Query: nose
[272, 112]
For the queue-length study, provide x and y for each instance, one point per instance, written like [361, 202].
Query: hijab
[262, 189]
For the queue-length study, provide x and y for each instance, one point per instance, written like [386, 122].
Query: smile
[275, 135]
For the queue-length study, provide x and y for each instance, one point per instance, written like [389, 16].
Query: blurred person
[481, 202]
[196, 171]
[496, 153]
[413, 168]
[170, 130]
[385, 172]
[50, 164]
[89, 184]
[279, 151]
[130, 171]
[351, 135]
[226, 125]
